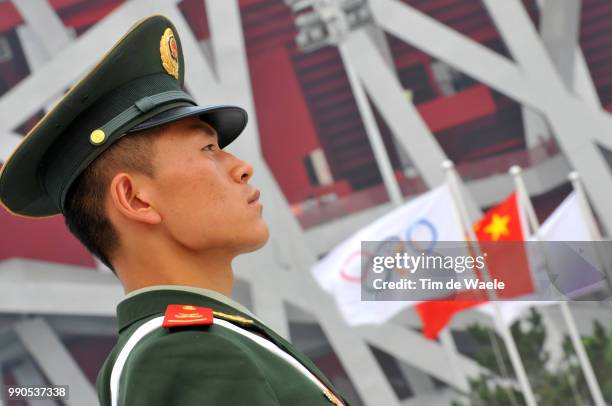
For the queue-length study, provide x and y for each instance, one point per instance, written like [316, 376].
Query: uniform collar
[213, 294]
[152, 300]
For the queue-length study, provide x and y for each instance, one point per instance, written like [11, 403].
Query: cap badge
[168, 50]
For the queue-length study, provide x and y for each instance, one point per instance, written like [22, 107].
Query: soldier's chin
[259, 237]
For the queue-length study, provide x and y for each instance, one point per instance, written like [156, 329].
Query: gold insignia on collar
[168, 50]
[233, 317]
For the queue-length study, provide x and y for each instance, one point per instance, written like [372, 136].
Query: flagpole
[372, 131]
[515, 358]
[585, 364]
[583, 203]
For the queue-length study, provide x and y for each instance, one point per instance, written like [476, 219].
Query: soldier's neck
[211, 270]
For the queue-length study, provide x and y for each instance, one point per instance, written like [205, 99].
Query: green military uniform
[205, 364]
[175, 347]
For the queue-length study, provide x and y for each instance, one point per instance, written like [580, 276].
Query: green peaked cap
[137, 85]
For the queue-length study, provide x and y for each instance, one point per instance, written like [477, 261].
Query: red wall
[286, 130]
[46, 239]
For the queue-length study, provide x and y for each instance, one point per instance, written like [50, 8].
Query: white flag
[429, 217]
[566, 223]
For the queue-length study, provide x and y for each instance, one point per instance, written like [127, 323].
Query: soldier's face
[202, 192]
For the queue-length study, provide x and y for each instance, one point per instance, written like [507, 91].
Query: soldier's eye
[209, 147]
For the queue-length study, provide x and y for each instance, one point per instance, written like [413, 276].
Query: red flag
[507, 262]
[436, 314]
[501, 223]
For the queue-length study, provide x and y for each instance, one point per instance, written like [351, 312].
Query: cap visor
[228, 121]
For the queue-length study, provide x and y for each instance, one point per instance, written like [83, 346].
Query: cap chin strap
[141, 106]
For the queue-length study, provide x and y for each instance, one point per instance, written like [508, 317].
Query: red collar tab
[187, 315]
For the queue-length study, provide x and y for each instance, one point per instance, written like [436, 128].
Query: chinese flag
[501, 236]
[506, 262]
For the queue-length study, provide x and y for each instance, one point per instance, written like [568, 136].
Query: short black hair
[85, 210]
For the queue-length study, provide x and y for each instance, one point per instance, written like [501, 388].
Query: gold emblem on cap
[188, 308]
[168, 50]
[97, 137]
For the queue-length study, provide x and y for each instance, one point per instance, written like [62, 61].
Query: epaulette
[187, 315]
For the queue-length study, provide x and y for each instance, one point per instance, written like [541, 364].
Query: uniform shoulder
[201, 346]
[193, 365]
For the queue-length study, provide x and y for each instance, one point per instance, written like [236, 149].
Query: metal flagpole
[583, 203]
[585, 364]
[494, 344]
[376, 141]
[515, 358]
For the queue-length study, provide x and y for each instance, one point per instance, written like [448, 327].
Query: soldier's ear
[130, 197]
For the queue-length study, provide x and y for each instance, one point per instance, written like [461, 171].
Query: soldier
[139, 172]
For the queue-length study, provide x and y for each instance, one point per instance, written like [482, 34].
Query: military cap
[137, 85]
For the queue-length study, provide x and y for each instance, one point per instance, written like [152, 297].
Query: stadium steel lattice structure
[279, 274]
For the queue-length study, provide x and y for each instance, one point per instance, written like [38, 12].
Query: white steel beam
[533, 81]
[268, 304]
[42, 35]
[443, 396]
[35, 53]
[55, 361]
[529, 84]
[576, 125]
[84, 326]
[28, 286]
[560, 29]
[380, 40]
[26, 374]
[420, 383]
[8, 142]
[200, 77]
[444, 43]
[41, 18]
[583, 82]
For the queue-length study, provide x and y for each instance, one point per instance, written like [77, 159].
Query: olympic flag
[429, 218]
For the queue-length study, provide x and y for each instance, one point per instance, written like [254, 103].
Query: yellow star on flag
[498, 226]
